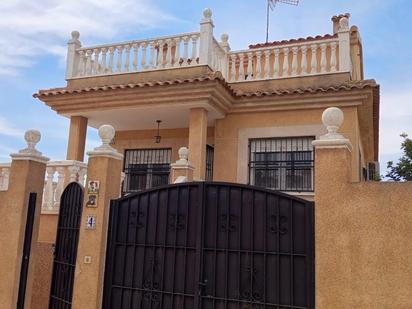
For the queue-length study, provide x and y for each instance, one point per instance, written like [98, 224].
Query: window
[146, 168]
[284, 164]
[210, 150]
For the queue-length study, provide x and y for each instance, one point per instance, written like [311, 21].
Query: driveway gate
[210, 245]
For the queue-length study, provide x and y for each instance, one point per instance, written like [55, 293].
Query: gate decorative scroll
[210, 245]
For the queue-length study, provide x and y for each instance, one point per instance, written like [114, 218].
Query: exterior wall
[171, 138]
[363, 238]
[233, 132]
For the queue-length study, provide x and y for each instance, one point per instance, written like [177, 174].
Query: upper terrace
[313, 56]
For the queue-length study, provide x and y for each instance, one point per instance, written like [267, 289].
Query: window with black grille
[284, 164]
[210, 150]
[146, 168]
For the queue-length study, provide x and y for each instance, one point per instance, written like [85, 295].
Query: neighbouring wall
[363, 238]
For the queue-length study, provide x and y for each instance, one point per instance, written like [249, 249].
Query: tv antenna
[271, 6]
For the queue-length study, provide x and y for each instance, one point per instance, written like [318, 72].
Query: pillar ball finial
[75, 35]
[207, 13]
[32, 137]
[332, 119]
[224, 37]
[183, 153]
[106, 133]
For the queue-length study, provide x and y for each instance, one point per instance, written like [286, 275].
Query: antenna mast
[271, 6]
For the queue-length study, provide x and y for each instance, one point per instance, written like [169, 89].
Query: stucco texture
[363, 238]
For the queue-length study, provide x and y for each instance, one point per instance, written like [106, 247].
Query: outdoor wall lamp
[158, 138]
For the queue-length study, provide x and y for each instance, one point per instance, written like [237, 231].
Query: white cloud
[6, 128]
[396, 118]
[33, 28]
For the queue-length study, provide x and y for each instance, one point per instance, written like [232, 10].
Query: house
[247, 116]
[216, 184]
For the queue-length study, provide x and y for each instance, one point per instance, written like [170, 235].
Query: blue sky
[33, 36]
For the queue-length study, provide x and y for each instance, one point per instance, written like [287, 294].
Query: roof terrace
[320, 55]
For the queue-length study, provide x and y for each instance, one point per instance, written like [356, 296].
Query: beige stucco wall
[232, 134]
[363, 238]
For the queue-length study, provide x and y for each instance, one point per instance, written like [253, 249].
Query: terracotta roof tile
[210, 77]
[338, 17]
[293, 41]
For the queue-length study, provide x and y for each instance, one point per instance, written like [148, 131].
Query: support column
[27, 174]
[105, 165]
[77, 138]
[332, 177]
[197, 142]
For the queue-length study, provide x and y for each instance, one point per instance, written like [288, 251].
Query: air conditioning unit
[373, 171]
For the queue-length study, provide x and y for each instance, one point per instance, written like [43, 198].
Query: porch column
[77, 138]
[105, 166]
[27, 173]
[197, 142]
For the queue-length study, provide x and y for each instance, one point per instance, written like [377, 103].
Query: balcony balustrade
[295, 58]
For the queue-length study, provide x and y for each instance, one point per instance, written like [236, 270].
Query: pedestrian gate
[210, 245]
[65, 254]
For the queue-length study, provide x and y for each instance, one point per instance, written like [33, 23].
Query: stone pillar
[206, 38]
[77, 138]
[182, 171]
[105, 165]
[345, 61]
[27, 174]
[197, 142]
[73, 57]
[332, 177]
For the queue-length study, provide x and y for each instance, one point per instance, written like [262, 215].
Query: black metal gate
[26, 250]
[67, 240]
[210, 245]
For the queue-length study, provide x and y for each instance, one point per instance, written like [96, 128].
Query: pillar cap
[32, 138]
[106, 134]
[332, 119]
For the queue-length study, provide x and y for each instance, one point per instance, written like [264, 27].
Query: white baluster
[233, 67]
[111, 58]
[267, 64]
[104, 55]
[82, 176]
[285, 71]
[258, 64]
[304, 64]
[177, 52]
[73, 173]
[127, 58]
[169, 55]
[152, 54]
[186, 50]
[323, 58]
[144, 55]
[119, 58]
[82, 63]
[249, 66]
[160, 60]
[89, 53]
[241, 76]
[4, 179]
[333, 47]
[295, 61]
[314, 61]
[276, 64]
[96, 53]
[135, 47]
[60, 185]
[48, 194]
[194, 49]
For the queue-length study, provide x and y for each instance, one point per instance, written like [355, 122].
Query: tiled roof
[62, 90]
[338, 17]
[334, 88]
[293, 41]
[210, 77]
